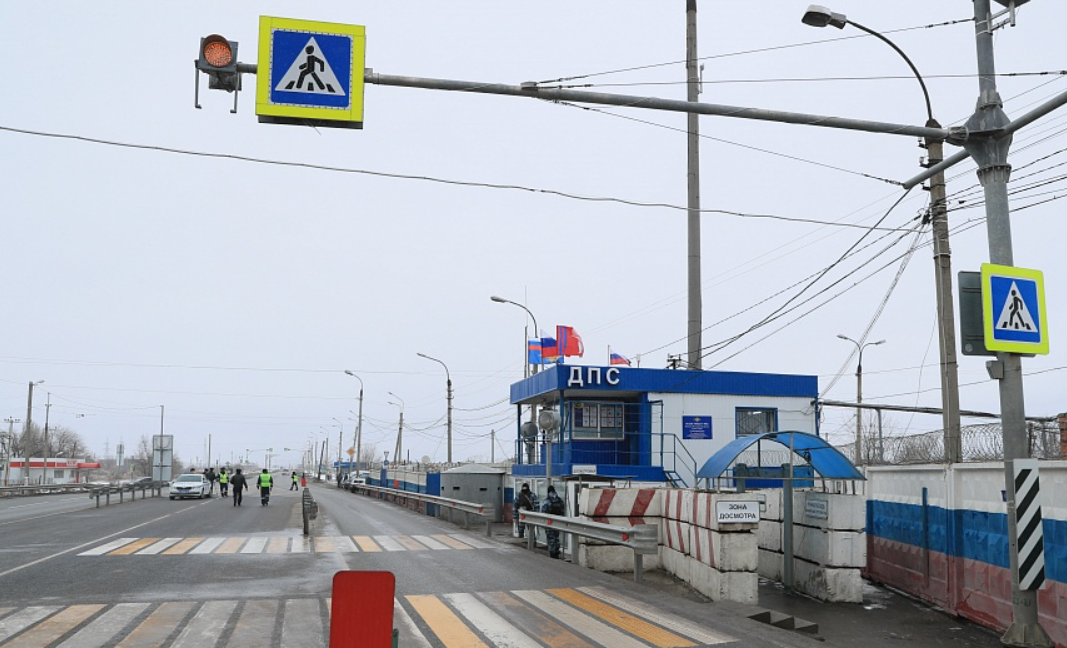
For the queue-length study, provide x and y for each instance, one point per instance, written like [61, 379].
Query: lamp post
[448, 393]
[400, 430]
[359, 428]
[537, 333]
[340, 442]
[859, 392]
[817, 16]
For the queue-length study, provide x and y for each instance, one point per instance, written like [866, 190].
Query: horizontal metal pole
[485, 510]
[643, 538]
[533, 91]
[925, 410]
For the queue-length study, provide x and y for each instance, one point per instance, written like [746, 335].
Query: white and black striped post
[1031, 545]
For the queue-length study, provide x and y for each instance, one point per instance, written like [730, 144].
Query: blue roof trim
[823, 457]
[628, 379]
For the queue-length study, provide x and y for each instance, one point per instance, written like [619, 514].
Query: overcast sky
[156, 254]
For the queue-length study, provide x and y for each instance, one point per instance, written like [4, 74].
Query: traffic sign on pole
[1013, 309]
[310, 73]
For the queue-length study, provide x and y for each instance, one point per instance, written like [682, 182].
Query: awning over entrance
[827, 461]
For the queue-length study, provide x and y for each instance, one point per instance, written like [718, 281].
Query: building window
[58, 474]
[596, 420]
[755, 420]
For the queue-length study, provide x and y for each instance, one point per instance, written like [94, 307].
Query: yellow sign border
[265, 107]
[989, 317]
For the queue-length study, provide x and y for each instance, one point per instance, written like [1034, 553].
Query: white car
[190, 486]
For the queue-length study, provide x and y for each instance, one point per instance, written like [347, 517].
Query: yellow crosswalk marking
[231, 545]
[410, 544]
[136, 545]
[451, 542]
[154, 630]
[183, 546]
[449, 628]
[366, 543]
[617, 617]
[54, 627]
[278, 545]
[534, 622]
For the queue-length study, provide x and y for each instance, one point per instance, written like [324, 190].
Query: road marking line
[412, 636]
[102, 630]
[183, 547]
[207, 546]
[388, 543]
[533, 622]
[495, 628]
[635, 626]
[206, 625]
[51, 629]
[449, 628]
[366, 544]
[477, 544]
[451, 542]
[670, 621]
[578, 620]
[324, 545]
[255, 546]
[154, 630]
[165, 543]
[345, 545]
[104, 548]
[230, 545]
[429, 542]
[136, 545]
[278, 546]
[410, 544]
[301, 545]
[256, 622]
[301, 623]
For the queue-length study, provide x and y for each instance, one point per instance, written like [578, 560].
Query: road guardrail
[642, 538]
[487, 511]
[41, 489]
[106, 492]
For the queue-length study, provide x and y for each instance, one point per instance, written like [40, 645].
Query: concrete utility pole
[448, 397]
[26, 432]
[47, 449]
[692, 75]
[991, 155]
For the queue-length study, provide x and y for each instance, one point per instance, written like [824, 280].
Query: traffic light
[218, 59]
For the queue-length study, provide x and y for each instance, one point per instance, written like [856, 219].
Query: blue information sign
[696, 427]
[311, 69]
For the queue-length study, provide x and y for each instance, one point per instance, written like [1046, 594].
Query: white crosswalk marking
[207, 546]
[104, 548]
[156, 548]
[280, 545]
[489, 619]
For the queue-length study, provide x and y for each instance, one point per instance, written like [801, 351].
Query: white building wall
[793, 414]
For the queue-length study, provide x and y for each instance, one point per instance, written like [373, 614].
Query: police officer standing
[266, 482]
[553, 504]
[224, 482]
[239, 484]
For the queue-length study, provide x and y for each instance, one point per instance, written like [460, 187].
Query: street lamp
[859, 391]
[400, 430]
[537, 333]
[818, 16]
[448, 393]
[359, 429]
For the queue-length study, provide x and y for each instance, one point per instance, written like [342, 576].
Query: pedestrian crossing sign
[1013, 309]
[310, 73]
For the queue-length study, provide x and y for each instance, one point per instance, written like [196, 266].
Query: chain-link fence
[982, 442]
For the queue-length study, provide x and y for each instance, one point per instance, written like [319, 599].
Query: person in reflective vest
[224, 482]
[296, 485]
[265, 484]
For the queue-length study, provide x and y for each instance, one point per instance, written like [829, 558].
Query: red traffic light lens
[216, 51]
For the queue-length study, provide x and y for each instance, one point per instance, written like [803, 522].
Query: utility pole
[692, 75]
[29, 427]
[47, 449]
[989, 148]
[492, 446]
[11, 421]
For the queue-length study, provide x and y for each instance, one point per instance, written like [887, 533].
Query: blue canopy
[824, 458]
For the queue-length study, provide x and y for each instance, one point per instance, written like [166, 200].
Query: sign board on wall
[696, 427]
[742, 512]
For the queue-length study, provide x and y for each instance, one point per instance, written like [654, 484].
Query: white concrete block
[676, 563]
[772, 504]
[830, 511]
[677, 504]
[725, 551]
[612, 558]
[769, 535]
[621, 502]
[830, 548]
[742, 587]
[675, 535]
[770, 565]
[832, 584]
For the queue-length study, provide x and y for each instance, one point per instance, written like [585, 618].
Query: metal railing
[41, 489]
[642, 538]
[487, 511]
[106, 492]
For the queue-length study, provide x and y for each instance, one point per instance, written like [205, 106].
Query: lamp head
[878, 342]
[349, 372]
[842, 336]
[819, 16]
[499, 300]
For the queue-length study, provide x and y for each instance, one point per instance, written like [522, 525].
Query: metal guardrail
[642, 538]
[487, 511]
[41, 489]
[107, 491]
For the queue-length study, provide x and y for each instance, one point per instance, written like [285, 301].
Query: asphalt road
[156, 572]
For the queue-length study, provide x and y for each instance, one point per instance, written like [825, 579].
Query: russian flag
[549, 349]
[619, 359]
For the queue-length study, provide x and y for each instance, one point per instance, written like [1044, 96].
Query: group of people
[553, 504]
[264, 482]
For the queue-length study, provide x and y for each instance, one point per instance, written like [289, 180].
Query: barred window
[755, 420]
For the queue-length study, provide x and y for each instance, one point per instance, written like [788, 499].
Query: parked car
[190, 486]
[138, 482]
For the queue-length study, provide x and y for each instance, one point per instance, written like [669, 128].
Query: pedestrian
[523, 502]
[265, 483]
[239, 484]
[224, 482]
[555, 506]
[295, 486]
[210, 476]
